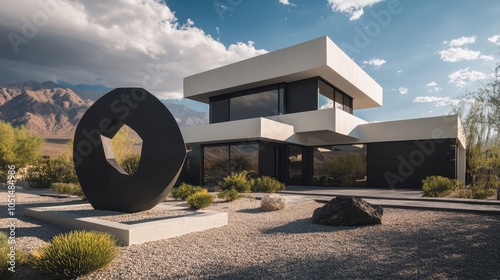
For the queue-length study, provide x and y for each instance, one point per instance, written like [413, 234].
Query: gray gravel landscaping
[410, 244]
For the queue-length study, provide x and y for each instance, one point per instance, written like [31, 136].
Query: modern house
[289, 114]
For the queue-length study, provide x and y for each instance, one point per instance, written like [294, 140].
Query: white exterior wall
[319, 57]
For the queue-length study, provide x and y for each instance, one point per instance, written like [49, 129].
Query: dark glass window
[215, 163]
[347, 104]
[295, 162]
[219, 111]
[340, 165]
[255, 105]
[244, 157]
[325, 95]
[339, 100]
[220, 161]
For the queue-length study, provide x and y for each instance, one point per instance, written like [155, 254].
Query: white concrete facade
[333, 126]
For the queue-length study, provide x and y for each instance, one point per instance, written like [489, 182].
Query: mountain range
[53, 111]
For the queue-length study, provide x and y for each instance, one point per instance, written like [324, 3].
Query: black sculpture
[105, 184]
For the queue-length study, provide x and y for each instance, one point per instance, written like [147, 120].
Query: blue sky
[423, 53]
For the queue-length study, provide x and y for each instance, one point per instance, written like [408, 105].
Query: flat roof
[319, 57]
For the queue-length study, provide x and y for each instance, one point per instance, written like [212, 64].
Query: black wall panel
[404, 164]
[302, 96]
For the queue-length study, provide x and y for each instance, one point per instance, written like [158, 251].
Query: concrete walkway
[410, 199]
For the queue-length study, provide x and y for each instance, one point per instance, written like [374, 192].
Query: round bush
[229, 195]
[238, 181]
[75, 254]
[267, 184]
[199, 200]
[4, 256]
[438, 186]
[185, 190]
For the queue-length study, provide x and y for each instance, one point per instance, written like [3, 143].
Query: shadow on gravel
[251, 211]
[305, 226]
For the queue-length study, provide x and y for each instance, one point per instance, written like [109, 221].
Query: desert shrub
[344, 169]
[438, 186]
[267, 184]
[75, 254]
[130, 163]
[67, 188]
[185, 190]
[20, 256]
[229, 195]
[48, 171]
[241, 182]
[478, 191]
[199, 200]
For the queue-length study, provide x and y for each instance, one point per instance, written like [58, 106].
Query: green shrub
[199, 200]
[267, 184]
[67, 188]
[229, 195]
[48, 171]
[130, 163]
[476, 192]
[185, 190]
[75, 254]
[241, 182]
[21, 257]
[438, 186]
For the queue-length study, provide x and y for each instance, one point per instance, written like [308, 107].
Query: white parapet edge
[131, 234]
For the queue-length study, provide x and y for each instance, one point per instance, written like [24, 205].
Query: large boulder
[272, 202]
[348, 211]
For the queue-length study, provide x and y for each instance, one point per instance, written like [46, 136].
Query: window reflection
[255, 105]
[295, 162]
[340, 165]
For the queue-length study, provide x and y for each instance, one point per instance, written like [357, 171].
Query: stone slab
[128, 234]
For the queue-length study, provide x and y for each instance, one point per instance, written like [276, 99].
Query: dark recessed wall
[302, 96]
[405, 164]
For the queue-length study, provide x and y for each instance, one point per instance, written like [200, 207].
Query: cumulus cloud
[353, 8]
[461, 41]
[403, 90]
[112, 43]
[462, 77]
[433, 87]
[458, 54]
[375, 62]
[286, 3]
[495, 39]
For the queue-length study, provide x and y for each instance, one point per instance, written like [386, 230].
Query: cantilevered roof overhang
[319, 57]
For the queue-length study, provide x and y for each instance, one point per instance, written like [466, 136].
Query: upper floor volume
[310, 76]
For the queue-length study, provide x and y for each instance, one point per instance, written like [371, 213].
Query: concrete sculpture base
[128, 234]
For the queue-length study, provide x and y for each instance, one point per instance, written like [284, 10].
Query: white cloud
[458, 54]
[462, 77]
[487, 57]
[495, 39]
[403, 90]
[286, 3]
[399, 71]
[115, 43]
[433, 87]
[438, 101]
[353, 8]
[375, 62]
[462, 41]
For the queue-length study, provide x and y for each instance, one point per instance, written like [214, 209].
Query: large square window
[262, 104]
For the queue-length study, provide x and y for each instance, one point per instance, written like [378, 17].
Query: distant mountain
[53, 111]
[186, 116]
[46, 108]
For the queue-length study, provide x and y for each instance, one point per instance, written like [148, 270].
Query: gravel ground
[410, 244]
